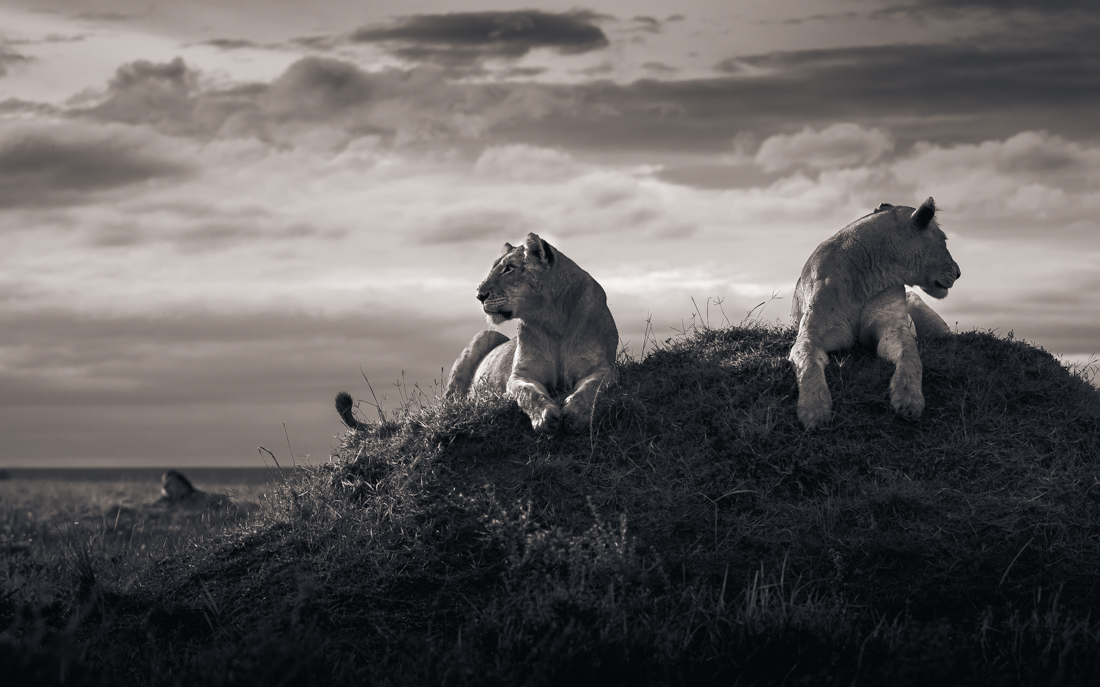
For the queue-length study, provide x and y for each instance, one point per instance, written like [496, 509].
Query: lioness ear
[883, 206]
[536, 246]
[508, 248]
[924, 214]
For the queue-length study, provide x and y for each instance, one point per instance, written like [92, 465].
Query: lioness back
[852, 289]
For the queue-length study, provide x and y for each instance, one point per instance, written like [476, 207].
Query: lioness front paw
[576, 419]
[547, 420]
[909, 403]
[814, 414]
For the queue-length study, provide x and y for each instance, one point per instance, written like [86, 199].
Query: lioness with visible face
[566, 340]
[565, 343]
[853, 289]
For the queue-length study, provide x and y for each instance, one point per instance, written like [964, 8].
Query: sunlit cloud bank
[191, 256]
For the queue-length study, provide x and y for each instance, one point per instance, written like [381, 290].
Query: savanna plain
[695, 535]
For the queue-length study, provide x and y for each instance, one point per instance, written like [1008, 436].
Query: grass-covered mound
[696, 535]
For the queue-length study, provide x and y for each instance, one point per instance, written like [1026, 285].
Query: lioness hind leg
[887, 328]
[926, 321]
[815, 403]
[465, 367]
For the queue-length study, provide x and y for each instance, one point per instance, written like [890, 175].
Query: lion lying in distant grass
[853, 289]
[178, 492]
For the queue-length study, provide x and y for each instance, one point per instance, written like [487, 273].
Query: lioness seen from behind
[853, 289]
[565, 343]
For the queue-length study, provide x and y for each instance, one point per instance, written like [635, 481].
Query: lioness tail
[343, 406]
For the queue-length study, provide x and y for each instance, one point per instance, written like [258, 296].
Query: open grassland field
[54, 530]
[696, 535]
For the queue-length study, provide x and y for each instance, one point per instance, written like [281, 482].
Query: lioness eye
[508, 268]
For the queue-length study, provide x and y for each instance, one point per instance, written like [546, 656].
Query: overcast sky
[214, 214]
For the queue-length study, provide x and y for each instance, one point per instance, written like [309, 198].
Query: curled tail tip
[344, 404]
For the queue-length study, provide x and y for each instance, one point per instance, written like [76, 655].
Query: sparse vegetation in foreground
[695, 536]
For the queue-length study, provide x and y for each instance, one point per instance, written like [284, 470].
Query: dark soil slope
[697, 535]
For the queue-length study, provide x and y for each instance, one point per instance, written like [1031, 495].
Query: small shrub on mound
[695, 535]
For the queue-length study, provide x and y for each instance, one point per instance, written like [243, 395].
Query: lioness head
[925, 245]
[514, 281]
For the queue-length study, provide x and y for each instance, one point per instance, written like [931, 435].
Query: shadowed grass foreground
[695, 536]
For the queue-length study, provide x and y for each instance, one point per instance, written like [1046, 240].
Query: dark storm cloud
[143, 92]
[167, 96]
[648, 24]
[9, 57]
[317, 88]
[464, 37]
[172, 77]
[317, 42]
[207, 236]
[231, 43]
[406, 106]
[659, 68]
[521, 72]
[936, 77]
[1050, 85]
[106, 16]
[1033, 16]
[476, 225]
[46, 165]
[196, 226]
[940, 92]
[1039, 7]
[17, 107]
[953, 92]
